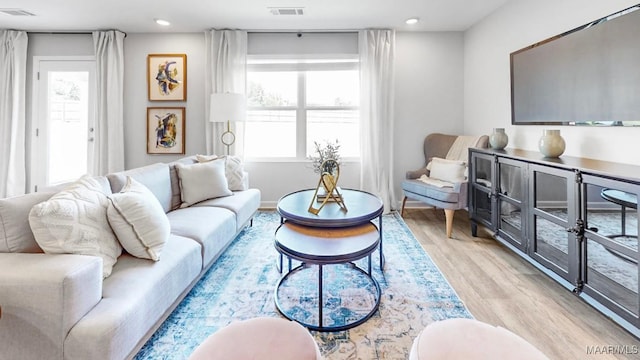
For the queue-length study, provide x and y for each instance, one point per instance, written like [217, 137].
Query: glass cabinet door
[553, 215]
[610, 247]
[510, 193]
[481, 201]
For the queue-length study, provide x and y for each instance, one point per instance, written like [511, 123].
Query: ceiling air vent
[286, 11]
[16, 12]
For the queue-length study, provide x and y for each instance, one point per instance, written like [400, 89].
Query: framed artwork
[165, 130]
[167, 77]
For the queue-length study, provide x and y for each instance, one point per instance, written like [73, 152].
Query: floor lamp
[227, 107]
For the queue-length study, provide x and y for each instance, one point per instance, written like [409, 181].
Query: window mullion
[301, 117]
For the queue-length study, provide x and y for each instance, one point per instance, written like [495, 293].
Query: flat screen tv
[587, 76]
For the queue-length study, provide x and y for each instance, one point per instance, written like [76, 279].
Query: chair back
[438, 145]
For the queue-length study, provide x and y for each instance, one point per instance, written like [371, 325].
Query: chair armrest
[462, 189]
[416, 173]
[42, 297]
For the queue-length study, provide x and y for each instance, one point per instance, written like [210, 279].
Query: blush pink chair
[261, 338]
[467, 339]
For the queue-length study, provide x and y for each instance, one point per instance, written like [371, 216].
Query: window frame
[300, 64]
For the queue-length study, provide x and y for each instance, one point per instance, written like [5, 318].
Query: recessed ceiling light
[412, 21]
[162, 22]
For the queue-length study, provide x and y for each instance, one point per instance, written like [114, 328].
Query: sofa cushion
[212, 227]
[15, 232]
[155, 177]
[243, 204]
[443, 194]
[138, 220]
[74, 221]
[202, 181]
[134, 298]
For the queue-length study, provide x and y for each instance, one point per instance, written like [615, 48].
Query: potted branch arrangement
[328, 151]
[326, 163]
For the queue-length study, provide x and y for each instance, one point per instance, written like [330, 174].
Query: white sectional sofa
[58, 306]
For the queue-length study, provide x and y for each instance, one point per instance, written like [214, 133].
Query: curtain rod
[306, 31]
[79, 32]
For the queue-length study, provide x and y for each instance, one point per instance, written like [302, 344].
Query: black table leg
[381, 253]
[320, 302]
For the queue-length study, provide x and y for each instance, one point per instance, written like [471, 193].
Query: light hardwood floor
[500, 288]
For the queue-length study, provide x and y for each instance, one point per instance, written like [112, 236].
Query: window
[294, 102]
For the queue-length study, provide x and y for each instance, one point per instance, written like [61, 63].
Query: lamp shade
[227, 107]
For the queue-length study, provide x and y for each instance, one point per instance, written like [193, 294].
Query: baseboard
[268, 205]
[415, 204]
[411, 204]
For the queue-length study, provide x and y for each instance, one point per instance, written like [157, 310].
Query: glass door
[610, 247]
[553, 217]
[481, 189]
[510, 194]
[64, 92]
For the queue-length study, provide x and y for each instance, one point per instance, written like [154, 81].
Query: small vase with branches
[328, 150]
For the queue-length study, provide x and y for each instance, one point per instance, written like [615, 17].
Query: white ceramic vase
[498, 139]
[551, 144]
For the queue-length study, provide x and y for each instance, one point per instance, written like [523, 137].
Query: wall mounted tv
[587, 76]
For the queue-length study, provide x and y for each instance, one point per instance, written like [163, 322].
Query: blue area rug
[241, 284]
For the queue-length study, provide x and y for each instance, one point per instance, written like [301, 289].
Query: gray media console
[575, 219]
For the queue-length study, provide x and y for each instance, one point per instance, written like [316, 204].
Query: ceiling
[137, 16]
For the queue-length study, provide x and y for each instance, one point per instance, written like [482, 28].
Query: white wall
[136, 49]
[428, 98]
[428, 94]
[429, 85]
[487, 46]
[445, 82]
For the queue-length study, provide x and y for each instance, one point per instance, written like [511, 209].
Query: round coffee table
[362, 206]
[328, 246]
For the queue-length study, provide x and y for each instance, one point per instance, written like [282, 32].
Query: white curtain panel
[13, 75]
[108, 148]
[377, 51]
[225, 71]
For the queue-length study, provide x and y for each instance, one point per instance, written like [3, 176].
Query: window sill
[295, 161]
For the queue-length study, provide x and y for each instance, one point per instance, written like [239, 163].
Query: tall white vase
[551, 144]
[498, 139]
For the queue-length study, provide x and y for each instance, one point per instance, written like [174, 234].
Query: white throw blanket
[435, 182]
[460, 148]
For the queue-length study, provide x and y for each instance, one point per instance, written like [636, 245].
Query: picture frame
[166, 130]
[167, 77]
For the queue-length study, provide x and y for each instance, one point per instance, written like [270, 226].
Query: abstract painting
[167, 77]
[165, 130]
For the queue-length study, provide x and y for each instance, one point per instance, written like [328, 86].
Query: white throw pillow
[207, 158]
[202, 181]
[74, 221]
[234, 171]
[447, 170]
[138, 220]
